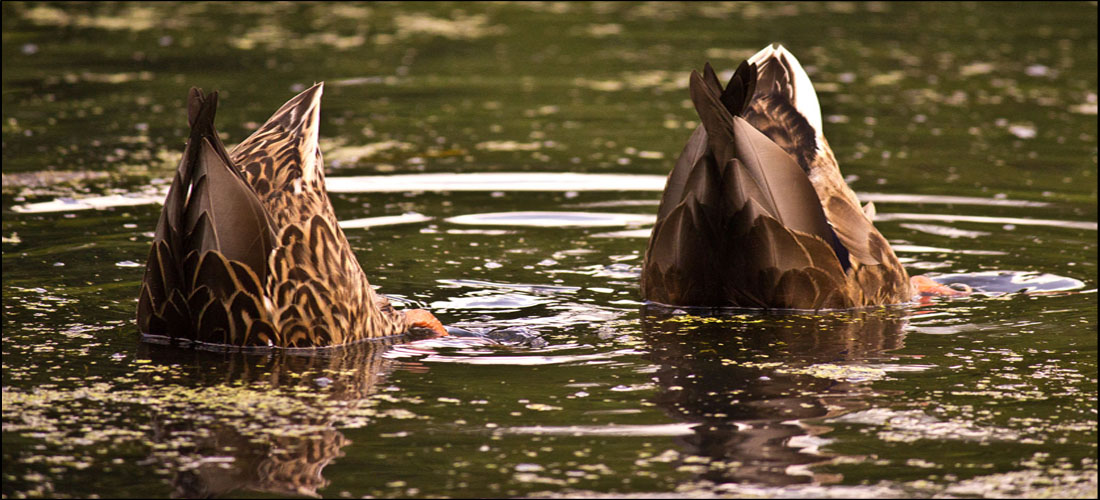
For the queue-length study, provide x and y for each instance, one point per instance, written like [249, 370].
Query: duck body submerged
[755, 213]
[247, 250]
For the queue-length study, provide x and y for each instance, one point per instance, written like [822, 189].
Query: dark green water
[987, 111]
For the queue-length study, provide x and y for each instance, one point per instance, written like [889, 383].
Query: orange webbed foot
[419, 318]
[925, 286]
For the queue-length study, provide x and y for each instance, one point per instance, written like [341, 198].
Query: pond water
[500, 165]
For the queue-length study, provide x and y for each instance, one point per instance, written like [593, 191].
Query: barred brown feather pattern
[313, 265]
[314, 298]
[289, 463]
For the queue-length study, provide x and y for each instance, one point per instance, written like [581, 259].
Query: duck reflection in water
[753, 381]
[228, 451]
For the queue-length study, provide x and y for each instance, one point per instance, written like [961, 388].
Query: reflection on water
[751, 382]
[274, 445]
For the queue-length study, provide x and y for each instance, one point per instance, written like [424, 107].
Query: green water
[986, 396]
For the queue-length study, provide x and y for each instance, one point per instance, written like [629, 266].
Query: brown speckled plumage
[756, 213]
[248, 251]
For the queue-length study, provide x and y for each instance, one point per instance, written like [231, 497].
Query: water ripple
[489, 181]
[988, 220]
[553, 219]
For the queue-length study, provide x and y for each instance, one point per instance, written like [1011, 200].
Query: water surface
[500, 164]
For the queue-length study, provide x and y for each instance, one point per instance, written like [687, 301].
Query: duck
[247, 250]
[755, 212]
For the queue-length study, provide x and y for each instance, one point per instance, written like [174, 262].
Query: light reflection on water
[487, 301]
[1010, 221]
[506, 181]
[552, 219]
[390, 220]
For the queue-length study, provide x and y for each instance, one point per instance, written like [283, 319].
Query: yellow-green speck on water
[972, 126]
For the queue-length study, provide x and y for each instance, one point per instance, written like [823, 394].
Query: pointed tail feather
[209, 208]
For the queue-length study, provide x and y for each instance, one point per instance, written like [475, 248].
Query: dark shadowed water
[973, 127]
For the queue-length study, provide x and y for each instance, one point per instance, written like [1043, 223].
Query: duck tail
[212, 238]
[298, 121]
[736, 207]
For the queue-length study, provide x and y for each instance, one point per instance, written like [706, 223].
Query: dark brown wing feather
[212, 236]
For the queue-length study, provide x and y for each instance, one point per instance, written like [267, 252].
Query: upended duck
[247, 250]
[756, 214]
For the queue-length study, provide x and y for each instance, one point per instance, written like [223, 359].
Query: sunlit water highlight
[553, 219]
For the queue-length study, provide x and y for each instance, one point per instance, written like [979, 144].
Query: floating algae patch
[849, 373]
[1056, 481]
[216, 408]
[1052, 483]
[94, 415]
